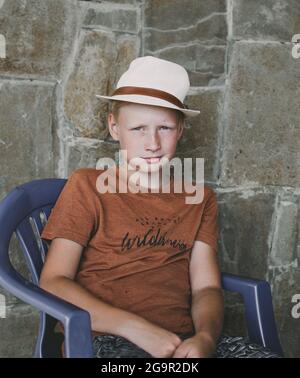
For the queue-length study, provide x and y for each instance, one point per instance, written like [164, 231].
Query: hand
[200, 345]
[154, 339]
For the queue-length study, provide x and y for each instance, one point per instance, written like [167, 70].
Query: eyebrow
[168, 125]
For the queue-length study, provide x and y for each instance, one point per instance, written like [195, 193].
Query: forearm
[104, 317]
[208, 312]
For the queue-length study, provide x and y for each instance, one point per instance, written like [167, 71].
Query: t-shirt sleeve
[208, 231]
[73, 216]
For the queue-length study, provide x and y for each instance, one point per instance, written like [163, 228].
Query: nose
[152, 142]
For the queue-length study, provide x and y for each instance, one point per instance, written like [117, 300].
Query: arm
[207, 295]
[207, 307]
[57, 277]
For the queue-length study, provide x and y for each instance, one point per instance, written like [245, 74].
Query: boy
[144, 265]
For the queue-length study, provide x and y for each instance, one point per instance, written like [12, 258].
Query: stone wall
[60, 53]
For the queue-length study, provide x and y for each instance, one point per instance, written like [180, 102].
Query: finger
[176, 355]
[180, 353]
[193, 355]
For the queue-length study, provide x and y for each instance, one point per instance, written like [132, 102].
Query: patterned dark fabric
[239, 347]
[111, 346]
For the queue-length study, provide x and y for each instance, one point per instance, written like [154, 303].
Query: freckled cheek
[132, 146]
[128, 141]
[170, 144]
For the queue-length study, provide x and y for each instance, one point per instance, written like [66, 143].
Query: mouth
[153, 159]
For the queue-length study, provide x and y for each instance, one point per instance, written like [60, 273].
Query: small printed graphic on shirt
[156, 221]
[153, 235]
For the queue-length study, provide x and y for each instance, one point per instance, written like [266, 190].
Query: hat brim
[148, 100]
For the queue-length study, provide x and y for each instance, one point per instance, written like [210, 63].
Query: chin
[151, 168]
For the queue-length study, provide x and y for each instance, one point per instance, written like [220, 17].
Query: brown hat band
[150, 92]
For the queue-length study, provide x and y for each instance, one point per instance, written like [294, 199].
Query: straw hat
[154, 81]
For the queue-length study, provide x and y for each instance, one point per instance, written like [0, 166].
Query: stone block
[39, 36]
[284, 241]
[265, 20]
[113, 16]
[204, 64]
[212, 30]
[167, 15]
[245, 219]
[262, 135]
[26, 128]
[102, 58]
[18, 262]
[210, 59]
[19, 332]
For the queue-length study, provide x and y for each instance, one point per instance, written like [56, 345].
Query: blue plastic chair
[25, 211]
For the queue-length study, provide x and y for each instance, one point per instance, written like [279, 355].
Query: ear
[113, 126]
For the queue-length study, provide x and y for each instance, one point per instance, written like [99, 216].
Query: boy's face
[146, 131]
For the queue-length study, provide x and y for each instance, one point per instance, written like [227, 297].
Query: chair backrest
[24, 211]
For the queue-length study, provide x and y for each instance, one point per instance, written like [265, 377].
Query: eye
[166, 127]
[137, 128]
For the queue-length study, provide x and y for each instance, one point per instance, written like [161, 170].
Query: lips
[153, 160]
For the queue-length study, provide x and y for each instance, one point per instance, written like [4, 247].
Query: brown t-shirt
[137, 245]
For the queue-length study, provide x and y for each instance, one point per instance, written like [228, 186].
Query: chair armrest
[76, 321]
[259, 312]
